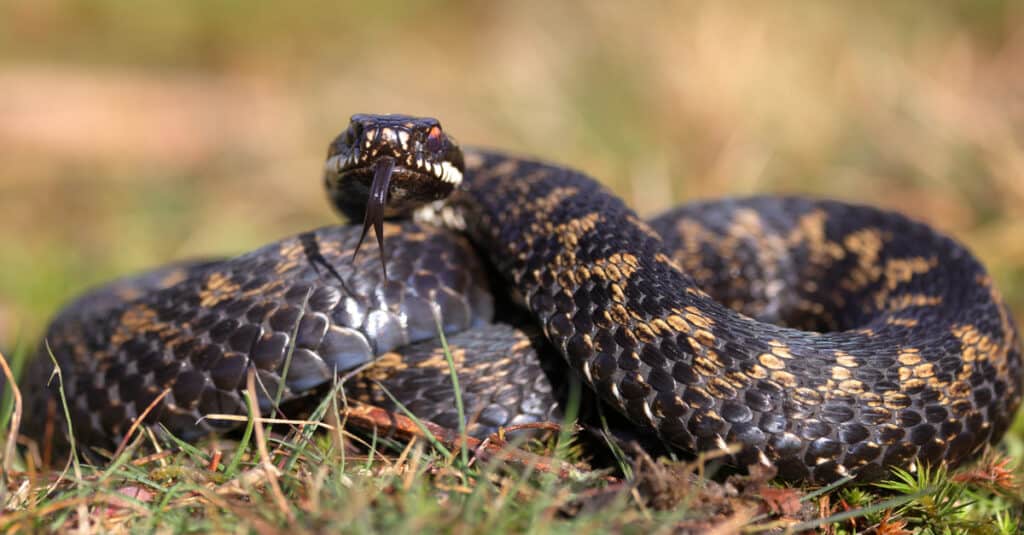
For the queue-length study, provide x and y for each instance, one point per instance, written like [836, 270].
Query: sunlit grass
[353, 478]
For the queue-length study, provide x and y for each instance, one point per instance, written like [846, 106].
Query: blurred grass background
[136, 132]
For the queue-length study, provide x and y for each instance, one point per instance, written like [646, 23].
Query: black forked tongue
[375, 208]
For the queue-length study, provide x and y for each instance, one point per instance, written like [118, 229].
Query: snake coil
[826, 338]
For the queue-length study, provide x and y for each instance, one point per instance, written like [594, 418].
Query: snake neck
[562, 239]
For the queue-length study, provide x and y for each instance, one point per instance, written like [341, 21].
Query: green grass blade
[459, 406]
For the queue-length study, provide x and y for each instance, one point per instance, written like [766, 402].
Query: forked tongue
[375, 208]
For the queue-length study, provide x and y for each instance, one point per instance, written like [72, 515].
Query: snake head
[386, 166]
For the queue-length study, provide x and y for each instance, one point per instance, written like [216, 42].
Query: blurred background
[134, 133]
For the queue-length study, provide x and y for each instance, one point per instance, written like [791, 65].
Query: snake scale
[826, 338]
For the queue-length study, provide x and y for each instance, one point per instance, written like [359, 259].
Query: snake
[825, 338]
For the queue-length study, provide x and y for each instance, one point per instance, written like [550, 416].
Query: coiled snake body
[826, 338]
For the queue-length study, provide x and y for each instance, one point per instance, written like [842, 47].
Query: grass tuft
[357, 478]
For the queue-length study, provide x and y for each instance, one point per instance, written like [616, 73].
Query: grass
[371, 472]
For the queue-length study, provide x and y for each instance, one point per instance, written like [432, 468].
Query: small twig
[415, 451]
[240, 418]
[261, 446]
[404, 428]
[138, 422]
[215, 461]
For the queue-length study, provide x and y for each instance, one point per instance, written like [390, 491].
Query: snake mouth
[355, 163]
[401, 189]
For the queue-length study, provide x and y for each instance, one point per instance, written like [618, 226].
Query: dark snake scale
[828, 339]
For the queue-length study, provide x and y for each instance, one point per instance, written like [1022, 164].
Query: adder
[825, 338]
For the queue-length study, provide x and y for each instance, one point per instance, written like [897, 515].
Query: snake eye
[434, 139]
